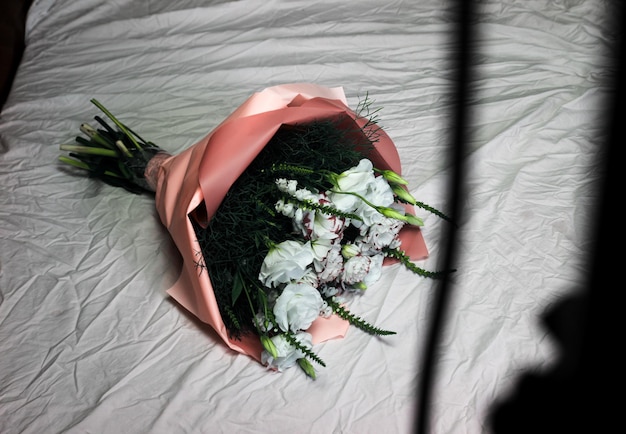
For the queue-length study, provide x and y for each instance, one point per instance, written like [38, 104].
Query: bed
[91, 341]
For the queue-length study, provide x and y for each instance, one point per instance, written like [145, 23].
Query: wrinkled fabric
[91, 340]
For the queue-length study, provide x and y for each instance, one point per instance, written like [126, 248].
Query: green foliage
[326, 209]
[307, 351]
[433, 210]
[406, 261]
[356, 321]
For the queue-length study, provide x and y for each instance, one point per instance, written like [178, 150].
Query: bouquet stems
[119, 157]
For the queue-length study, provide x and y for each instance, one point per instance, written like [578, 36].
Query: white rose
[285, 262]
[377, 193]
[357, 178]
[297, 307]
[362, 181]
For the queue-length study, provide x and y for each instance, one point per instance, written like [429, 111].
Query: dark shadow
[12, 31]
[580, 393]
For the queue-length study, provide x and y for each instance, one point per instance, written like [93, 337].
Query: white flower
[314, 224]
[327, 226]
[297, 219]
[288, 186]
[297, 307]
[380, 235]
[262, 322]
[375, 271]
[356, 269]
[310, 278]
[326, 310]
[285, 262]
[330, 267]
[362, 181]
[357, 178]
[285, 208]
[321, 248]
[304, 195]
[361, 271]
[317, 225]
[329, 291]
[287, 355]
[354, 180]
[378, 193]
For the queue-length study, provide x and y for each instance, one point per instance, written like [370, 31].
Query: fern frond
[356, 321]
[406, 261]
[307, 351]
[433, 210]
[326, 209]
[232, 317]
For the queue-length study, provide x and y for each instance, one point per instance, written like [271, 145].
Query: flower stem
[89, 150]
[120, 125]
[84, 166]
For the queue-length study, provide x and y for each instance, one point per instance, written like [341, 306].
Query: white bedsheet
[90, 341]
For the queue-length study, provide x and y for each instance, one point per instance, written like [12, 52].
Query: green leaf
[238, 285]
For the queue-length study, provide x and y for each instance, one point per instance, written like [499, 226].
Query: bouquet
[282, 214]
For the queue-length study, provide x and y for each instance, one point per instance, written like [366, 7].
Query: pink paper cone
[196, 181]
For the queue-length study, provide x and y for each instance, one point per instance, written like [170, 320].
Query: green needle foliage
[356, 321]
[308, 353]
[406, 261]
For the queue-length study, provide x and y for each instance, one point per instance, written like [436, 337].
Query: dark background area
[581, 393]
[578, 394]
[12, 25]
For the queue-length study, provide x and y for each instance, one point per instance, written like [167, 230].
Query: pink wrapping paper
[196, 181]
